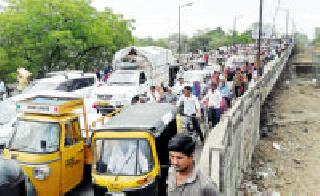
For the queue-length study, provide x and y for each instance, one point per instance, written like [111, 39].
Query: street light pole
[235, 20]
[179, 49]
[234, 29]
[179, 35]
[259, 39]
[287, 24]
[274, 19]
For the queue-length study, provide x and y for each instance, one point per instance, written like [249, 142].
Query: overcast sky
[159, 18]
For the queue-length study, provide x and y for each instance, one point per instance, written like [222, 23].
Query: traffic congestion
[118, 128]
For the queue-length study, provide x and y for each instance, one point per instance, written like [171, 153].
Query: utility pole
[179, 48]
[287, 25]
[234, 29]
[179, 35]
[259, 39]
[274, 19]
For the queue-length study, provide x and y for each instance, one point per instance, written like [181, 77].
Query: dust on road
[287, 161]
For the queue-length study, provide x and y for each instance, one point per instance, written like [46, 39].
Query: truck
[48, 144]
[135, 70]
[153, 61]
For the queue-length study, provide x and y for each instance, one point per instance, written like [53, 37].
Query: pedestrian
[107, 71]
[135, 100]
[225, 93]
[2, 90]
[183, 176]
[250, 71]
[215, 78]
[169, 95]
[237, 82]
[191, 108]
[178, 88]
[153, 95]
[98, 74]
[214, 100]
[102, 76]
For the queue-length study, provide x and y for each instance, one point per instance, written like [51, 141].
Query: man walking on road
[183, 178]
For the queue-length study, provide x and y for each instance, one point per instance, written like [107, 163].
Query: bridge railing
[229, 146]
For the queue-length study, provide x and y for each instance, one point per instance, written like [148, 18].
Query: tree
[162, 42]
[48, 35]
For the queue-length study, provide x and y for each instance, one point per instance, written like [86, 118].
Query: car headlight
[41, 173]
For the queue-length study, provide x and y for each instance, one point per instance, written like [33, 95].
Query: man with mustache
[183, 178]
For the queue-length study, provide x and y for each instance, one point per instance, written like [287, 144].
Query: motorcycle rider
[191, 108]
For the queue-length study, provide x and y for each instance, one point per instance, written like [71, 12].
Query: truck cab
[47, 143]
[130, 154]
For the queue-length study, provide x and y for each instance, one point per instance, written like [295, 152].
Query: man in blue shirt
[225, 91]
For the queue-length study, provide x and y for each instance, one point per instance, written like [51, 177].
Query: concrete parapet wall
[229, 146]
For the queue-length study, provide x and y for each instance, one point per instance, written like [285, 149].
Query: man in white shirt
[2, 90]
[214, 98]
[191, 107]
[178, 88]
[153, 95]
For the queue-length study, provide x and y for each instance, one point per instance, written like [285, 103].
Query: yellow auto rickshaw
[48, 144]
[130, 154]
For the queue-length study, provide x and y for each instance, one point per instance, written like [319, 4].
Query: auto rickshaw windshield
[34, 136]
[127, 157]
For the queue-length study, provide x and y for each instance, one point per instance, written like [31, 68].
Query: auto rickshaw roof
[153, 117]
[52, 105]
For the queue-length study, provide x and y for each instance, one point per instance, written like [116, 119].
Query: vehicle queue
[59, 147]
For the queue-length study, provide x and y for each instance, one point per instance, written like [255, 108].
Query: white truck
[153, 61]
[135, 70]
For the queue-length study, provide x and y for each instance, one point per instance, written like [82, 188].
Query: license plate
[115, 194]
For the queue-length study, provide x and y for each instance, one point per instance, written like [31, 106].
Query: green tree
[49, 35]
[149, 41]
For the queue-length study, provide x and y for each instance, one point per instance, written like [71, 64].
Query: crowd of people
[224, 86]
[221, 88]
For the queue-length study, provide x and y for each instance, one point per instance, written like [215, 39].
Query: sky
[159, 18]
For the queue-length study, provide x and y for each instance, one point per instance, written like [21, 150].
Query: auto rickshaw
[130, 154]
[48, 144]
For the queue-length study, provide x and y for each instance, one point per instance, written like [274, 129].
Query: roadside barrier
[228, 149]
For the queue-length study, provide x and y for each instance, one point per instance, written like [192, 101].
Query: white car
[8, 116]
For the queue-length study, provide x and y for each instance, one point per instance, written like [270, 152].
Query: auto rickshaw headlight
[145, 180]
[41, 173]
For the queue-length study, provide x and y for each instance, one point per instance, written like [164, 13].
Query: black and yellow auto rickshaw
[130, 154]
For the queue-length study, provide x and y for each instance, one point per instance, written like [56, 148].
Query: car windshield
[128, 157]
[123, 79]
[7, 111]
[125, 65]
[34, 136]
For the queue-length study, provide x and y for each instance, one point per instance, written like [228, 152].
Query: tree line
[203, 40]
[49, 35]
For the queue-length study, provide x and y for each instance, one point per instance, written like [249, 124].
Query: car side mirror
[164, 166]
[101, 167]
[2, 146]
[43, 144]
